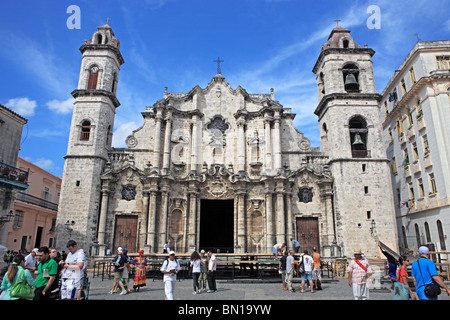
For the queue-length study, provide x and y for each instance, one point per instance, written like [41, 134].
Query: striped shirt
[359, 275]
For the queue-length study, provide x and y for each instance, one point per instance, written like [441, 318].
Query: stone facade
[220, 168]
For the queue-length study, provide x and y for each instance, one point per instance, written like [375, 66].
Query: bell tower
[351, 136]
[90, 139]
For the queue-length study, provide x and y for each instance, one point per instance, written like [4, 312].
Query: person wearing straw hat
[359, 272]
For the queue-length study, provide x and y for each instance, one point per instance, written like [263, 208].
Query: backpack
[118, 261]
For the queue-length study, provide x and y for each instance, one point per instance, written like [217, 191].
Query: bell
[350, 82]
[357, 139]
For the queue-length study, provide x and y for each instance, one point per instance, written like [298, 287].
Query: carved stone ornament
[131, 141]
[305, 195]
[128, 193]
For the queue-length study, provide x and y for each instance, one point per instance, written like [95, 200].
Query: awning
[385, 249]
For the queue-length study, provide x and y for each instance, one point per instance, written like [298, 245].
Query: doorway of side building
[217, 225]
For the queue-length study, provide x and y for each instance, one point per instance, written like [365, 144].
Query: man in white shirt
[170, 268]
[307, 275]
[30, 260]
[73, 272]
[212, 267]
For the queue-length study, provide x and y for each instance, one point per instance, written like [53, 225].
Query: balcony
[421, 123]
[427, 161]
[411, 132]
[13, 177]
[407, 171]
[27, 198]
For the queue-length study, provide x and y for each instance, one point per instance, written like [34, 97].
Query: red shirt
[401, 272]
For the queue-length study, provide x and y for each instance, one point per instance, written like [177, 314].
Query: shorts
[118, 275]
[275, 250]
[307, 276]
[70, 288]
[316, 274]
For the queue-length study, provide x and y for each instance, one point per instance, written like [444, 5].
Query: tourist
[290, 270]
[16, 272]
[307, 275]
[73, 272]
[120, 263]
[140, 279]
[54, 290]
[126, 270]
[47, 271]
[295, 245]
[316, 274]
[424, 272]
[170, 268]
[203, 271]
[282, 269]
[278, 248]
[165, 247]
[30, 261]
[195, 264]
[359, 272]
[402, 278]
[212, 267]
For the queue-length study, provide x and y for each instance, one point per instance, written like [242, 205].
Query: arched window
[427, 232]
[441, 235]
[345, 43]
[99, 38]
[405, 240]
[114, 82]
[419, 242]
[351, 77]
[85, 130]
[358, 137]
[93, 78]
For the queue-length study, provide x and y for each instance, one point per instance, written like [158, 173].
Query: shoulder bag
[21, 289]
[432, 290]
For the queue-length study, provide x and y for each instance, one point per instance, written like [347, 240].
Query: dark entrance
[216, 225]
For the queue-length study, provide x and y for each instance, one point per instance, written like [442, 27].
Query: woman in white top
[196, 261]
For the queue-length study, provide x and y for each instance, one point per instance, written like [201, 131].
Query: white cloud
[122, 132]
[61, 106]
[45, 164]
[23, 106]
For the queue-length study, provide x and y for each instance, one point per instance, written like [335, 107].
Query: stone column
[270, 240]
[145, 202]
[151, 228]
[268, 140]
[290, 226]
[162, 232]
[280, 217]
[241, 218]
[241, 145]
[167, 136]
[277, 143]
[192, 217]
[102, 220]
[194, 143]
[157, 146]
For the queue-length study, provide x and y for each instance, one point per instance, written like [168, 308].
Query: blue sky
[265, 44]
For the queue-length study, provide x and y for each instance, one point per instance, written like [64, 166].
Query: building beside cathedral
[218, 167]
[415, 116]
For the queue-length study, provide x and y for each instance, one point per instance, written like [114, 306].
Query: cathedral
[220, 168]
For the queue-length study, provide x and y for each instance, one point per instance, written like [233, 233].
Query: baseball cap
[171, 252]
[424, 250]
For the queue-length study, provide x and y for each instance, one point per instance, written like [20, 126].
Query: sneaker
[111, 292]
[195, 292]
[123, 292]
